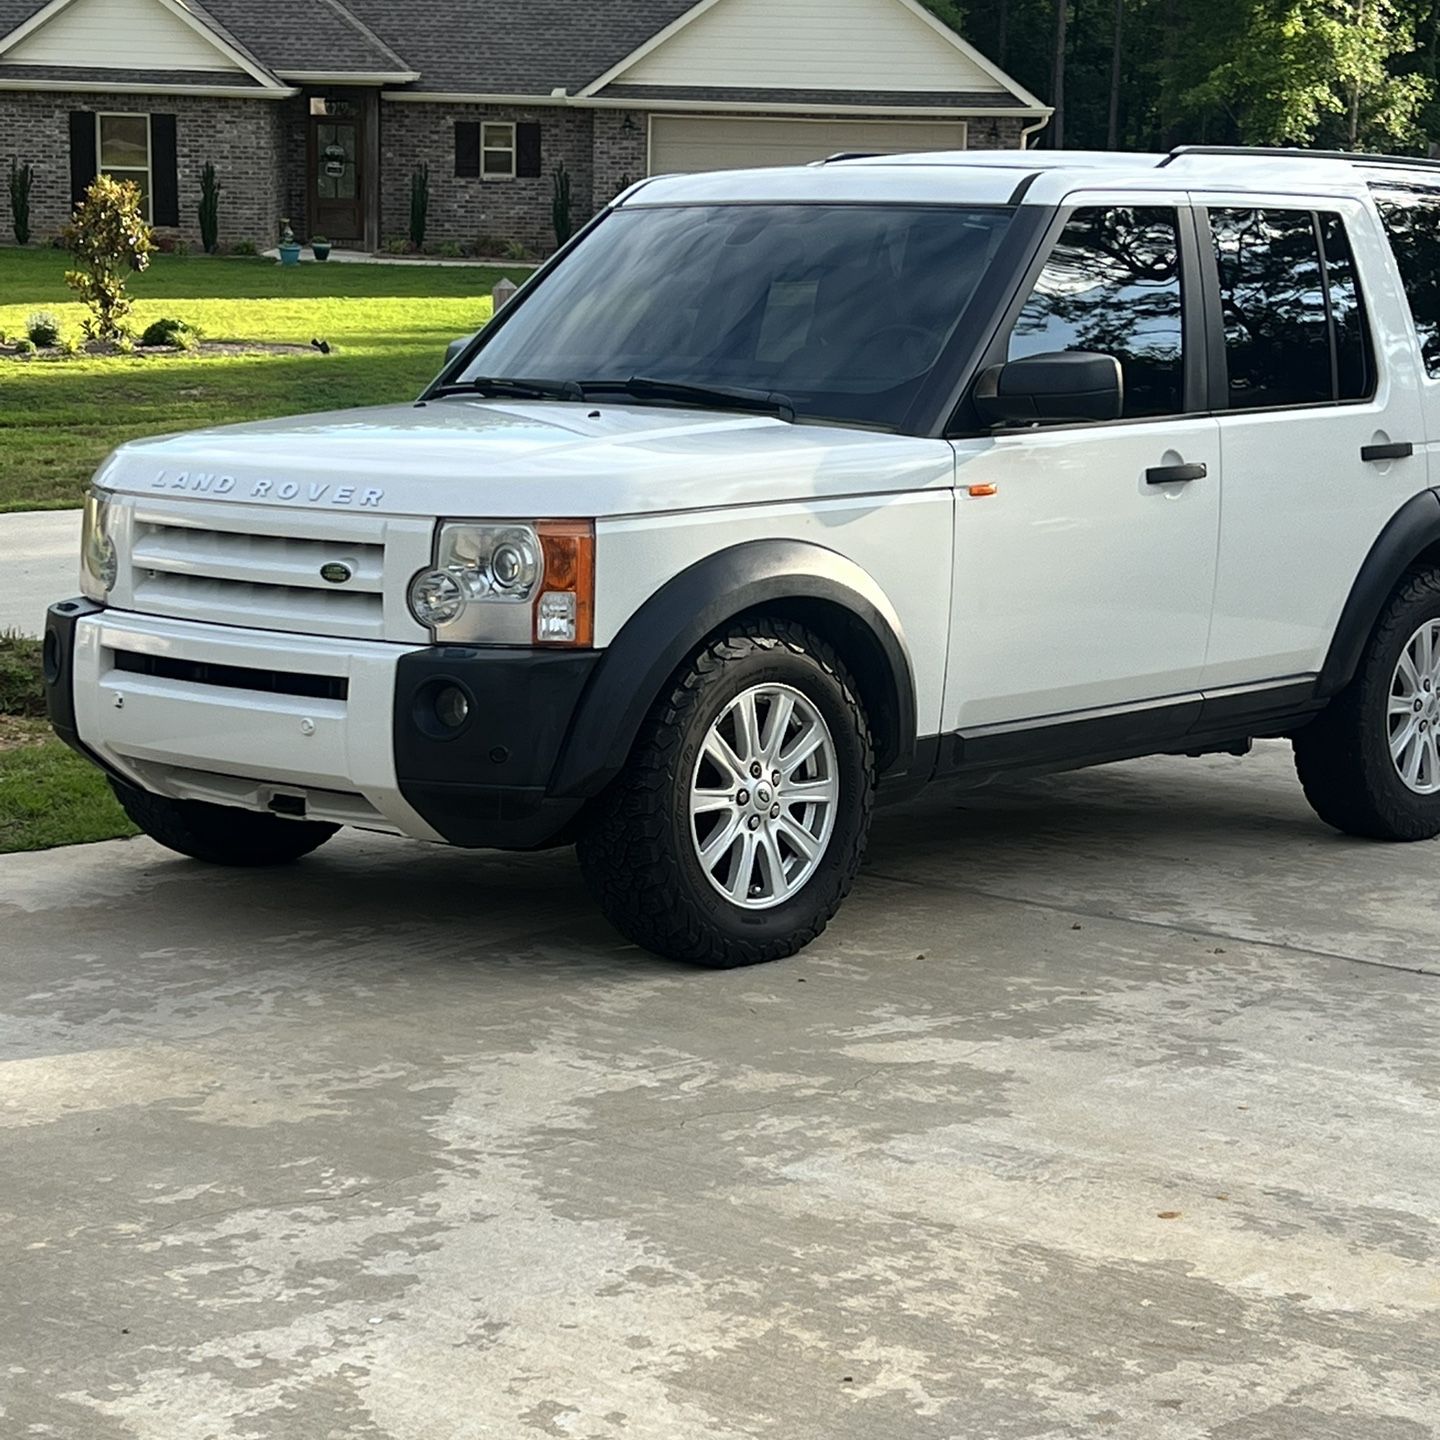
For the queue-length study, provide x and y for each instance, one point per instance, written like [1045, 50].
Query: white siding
[691, 143]
[119, 35]
[810, 45]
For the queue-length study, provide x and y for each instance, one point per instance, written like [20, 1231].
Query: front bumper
[317, 728]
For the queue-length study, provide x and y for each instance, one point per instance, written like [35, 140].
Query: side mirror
[456, 346]
[1065, 385]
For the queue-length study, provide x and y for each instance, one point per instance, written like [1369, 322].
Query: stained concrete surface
[1106, 1108]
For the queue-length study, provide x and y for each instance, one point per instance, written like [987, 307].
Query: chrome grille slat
[259, 559]
[264, 607]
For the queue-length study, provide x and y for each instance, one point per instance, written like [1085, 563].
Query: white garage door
[714, 142]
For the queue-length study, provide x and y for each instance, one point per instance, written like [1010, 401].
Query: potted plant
[320, 247]
[289, 245]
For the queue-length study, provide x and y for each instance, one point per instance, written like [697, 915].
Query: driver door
[1085, 561]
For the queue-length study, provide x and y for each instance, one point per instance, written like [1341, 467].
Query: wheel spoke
[747, 727]
[777, 887]
[1407, 672]
[805, 844]
[1411, 772]
[1400, 741]
[820, 791]
[1401, 705]
[806, 744]
[742, 867]
[776, 724]
[717, 750]
[716, 847]
[706, 802]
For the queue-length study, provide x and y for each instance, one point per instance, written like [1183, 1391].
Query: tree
[1057, 83]
[109, 238]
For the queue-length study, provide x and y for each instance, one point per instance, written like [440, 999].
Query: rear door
[1317, 424]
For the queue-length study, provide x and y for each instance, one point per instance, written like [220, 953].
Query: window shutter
[467, 149]
[527, 150]
[164, 171]
[82, 153]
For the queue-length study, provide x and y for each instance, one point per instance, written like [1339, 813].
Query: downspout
[1028, 130]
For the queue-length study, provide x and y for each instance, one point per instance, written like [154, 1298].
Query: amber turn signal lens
[565, 607]
[980, 491]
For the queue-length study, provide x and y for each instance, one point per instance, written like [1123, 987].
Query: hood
[459, 456]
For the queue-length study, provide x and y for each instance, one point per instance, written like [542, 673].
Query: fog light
[556, 617]
[452, 706]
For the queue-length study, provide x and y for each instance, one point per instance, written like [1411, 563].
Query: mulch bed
[202, 350]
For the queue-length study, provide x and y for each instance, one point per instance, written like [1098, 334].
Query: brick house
[321, 110]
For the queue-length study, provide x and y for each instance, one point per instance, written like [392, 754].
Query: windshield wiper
[511, 387]
[721, 397]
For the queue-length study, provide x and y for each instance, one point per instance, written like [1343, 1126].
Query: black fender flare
[1413, 529]
[692, 605]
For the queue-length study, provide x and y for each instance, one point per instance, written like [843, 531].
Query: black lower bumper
[486, 782]
[59, 668]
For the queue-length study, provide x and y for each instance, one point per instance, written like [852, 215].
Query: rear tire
[697, 858]
[221, 834]
[1370, 762]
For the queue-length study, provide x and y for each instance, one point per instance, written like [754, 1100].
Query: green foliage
[209, 212]
[516, 250]
[560, 216]
[397, 245]
[22, 179]
[1344, 74]
[451, 249]
[419, 205]
[24, 346]
[22, 690]
[168, 331]
[244, 248]
[43, 329]
[110, 240]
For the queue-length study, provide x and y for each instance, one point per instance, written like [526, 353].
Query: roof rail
[1280, 152]
[848, 155]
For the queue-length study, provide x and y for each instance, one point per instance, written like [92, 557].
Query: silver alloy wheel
[1415, 711]
[763, 796]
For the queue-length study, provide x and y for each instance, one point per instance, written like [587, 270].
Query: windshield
[839, 309]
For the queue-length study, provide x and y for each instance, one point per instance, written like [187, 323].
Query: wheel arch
[791, 579]
[1410, 540]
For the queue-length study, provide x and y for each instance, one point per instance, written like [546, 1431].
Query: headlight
[98, 564]
[509, 584]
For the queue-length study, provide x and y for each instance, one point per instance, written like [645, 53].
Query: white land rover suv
[780, 488]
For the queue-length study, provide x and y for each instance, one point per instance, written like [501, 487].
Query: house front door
[336, 178]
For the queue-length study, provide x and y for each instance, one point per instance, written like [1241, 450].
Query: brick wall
[240, 137]
[621, 155]
[1001, 133]
[464, 209]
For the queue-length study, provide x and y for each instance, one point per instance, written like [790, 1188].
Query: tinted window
[842, 308]
[1412, 221]
[1354, 362]
[1112, 285]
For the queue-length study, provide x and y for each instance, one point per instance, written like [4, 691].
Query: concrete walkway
[1105, 1110]
[39, 563]
[364, 257]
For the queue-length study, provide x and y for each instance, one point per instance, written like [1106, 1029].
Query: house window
[122, 147]
[497, 151]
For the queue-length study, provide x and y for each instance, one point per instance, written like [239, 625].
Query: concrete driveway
[1108, 1108]
[39, 563]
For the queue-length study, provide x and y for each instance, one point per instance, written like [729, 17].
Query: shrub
[451, 250]
[43, 329]
[487, 244]
[24, 347]
[560, 218]
[244, 247]
[397, 246]
[168, 331]
[419, 204]
[516, 250]
[70, 346]
[209, 211]
[22, 177]
[180, 249]
[109, 239]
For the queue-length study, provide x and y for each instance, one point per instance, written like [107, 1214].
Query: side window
[1412, 223]
[1295, 325]
[1112, 285]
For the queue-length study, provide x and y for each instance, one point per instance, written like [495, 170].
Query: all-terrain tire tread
[624, 852]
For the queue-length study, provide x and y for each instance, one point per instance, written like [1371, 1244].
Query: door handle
[1175, 474]
[1398, 450]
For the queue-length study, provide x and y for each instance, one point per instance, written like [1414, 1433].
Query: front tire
[695, 852]
[1370, 762]
[220, 834]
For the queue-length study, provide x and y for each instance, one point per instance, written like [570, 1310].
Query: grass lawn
[48, 794]
[388, 326]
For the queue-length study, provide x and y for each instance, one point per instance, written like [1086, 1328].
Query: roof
[1000, 177]
[541, 49]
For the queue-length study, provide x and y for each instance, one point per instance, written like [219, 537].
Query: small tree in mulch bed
[110, 240]
[22, 179]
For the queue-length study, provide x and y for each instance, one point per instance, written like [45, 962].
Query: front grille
[229, 571]
[234, 677]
